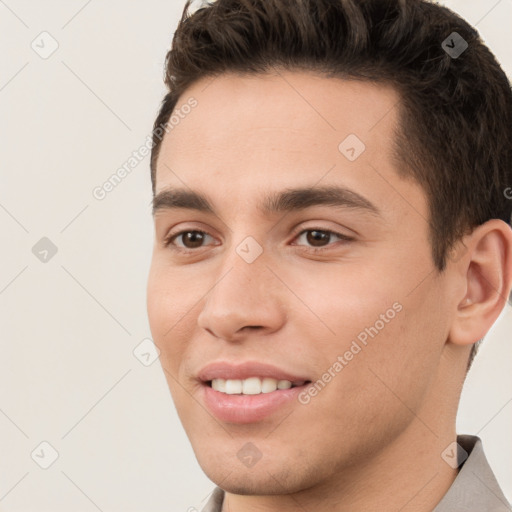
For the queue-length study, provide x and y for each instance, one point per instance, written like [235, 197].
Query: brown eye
[320, 238]
[317, 238]
[192, 239]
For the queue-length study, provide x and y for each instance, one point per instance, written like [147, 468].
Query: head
[349, 117]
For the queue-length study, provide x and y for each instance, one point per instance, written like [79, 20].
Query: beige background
[69, 326]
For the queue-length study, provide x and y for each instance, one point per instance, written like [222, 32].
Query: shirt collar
[475, 488]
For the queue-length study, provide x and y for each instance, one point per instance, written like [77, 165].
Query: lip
[226, 370]
[243, 409]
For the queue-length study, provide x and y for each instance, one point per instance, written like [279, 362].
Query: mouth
[253, 385]
[250, 391]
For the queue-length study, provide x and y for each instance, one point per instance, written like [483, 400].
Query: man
[332, 214]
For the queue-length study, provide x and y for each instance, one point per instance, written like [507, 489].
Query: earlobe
[488, 279]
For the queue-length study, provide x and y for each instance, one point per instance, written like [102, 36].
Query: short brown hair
[455, 133]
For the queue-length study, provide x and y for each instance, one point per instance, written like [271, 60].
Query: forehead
[283, 127]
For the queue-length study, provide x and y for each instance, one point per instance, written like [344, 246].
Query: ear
[487, 273]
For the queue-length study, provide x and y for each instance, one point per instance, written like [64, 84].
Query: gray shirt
[475, 488]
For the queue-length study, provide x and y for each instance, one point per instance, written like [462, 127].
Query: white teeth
[233, 387]
[250, 386]
[219, 385]
[268, 385]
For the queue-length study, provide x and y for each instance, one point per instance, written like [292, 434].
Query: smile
[252, 385]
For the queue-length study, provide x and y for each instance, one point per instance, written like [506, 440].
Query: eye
[319, 238]
[191, 239]
[194, 239]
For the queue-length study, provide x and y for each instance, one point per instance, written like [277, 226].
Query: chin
[274, 476]
[249, 483]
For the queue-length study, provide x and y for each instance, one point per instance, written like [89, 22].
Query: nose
[245, 297]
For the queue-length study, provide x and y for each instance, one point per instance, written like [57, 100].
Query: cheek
[397, 365]
[169, 305]
[345, 302]
[389, 332]
[172, 331]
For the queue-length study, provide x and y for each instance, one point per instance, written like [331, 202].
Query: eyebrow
[294, 199]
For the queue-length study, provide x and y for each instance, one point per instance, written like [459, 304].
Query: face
[310, 264]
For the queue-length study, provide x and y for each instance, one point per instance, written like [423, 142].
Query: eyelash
[168, 241]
